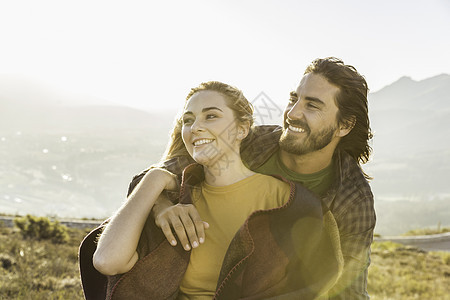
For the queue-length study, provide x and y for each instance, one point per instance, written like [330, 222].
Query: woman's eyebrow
[211, 108]
[203, 110]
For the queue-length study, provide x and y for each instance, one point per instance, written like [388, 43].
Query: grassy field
[39, 269]
[42, 269]
[403, 272]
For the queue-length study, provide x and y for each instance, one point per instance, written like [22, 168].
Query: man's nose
[295, 112]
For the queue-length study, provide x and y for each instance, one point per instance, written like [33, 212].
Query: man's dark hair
[351, 102]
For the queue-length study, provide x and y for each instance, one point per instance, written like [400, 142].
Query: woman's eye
[187, 121]
[293, 97]
[208, 117]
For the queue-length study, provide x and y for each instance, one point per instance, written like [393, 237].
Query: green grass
[33, 269]
[428, 231]
[41, 269]
[403, 272]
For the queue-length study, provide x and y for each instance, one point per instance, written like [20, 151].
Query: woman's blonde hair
[241, 107]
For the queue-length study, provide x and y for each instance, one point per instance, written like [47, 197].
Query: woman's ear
[346, 126]
[242, 130]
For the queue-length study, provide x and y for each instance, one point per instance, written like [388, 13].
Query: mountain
[411, 153]
[71, 155]
[410, 117]
[431, 93]
[28, 106]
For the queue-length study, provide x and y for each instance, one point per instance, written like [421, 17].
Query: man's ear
[242, 130]
[346, 126]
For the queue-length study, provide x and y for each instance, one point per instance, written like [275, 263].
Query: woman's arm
[116, 250]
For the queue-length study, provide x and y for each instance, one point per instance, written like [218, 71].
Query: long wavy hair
[352, 104]
[236, 101]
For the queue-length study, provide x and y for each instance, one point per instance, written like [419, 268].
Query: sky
[148, 54]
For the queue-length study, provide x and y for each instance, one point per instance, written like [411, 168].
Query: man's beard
[312, 141]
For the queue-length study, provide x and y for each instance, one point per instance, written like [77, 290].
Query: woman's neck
[227, 171]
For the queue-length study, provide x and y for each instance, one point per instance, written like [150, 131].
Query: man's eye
[311, 105]
[210, 116]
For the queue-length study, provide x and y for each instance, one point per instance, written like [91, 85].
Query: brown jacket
[287, 252]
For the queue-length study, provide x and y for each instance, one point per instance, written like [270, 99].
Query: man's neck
[307, 163]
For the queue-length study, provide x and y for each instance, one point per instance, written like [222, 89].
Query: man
[323, 142]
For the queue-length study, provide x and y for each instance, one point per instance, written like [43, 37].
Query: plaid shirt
[350, 199]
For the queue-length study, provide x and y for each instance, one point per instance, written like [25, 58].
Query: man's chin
[290, 145]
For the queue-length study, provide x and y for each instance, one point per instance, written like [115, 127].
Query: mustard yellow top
[225, 208]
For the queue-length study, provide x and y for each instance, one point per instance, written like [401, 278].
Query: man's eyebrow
[309, 98]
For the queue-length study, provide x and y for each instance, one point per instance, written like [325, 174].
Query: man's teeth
[203, 141]
[296, 129]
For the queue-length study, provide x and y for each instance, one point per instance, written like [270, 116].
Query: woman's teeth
[202, 141]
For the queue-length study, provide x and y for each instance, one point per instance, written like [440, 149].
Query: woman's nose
[197, 126]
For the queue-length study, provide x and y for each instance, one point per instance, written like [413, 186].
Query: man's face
[310, 122]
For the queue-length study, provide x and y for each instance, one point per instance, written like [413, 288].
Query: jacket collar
[192, 175]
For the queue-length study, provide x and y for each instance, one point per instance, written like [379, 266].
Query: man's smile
[296, 126]
[296, 129]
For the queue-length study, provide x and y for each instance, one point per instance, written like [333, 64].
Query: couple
[267, 238]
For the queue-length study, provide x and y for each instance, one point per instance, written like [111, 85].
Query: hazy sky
[149, 53]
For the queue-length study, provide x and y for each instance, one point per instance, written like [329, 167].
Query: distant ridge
[34, 107]
[431, 93]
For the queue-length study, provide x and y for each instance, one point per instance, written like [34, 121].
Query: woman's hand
[186, 222]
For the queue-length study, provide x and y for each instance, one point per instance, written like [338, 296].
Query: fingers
[186, 224]
[167, 230]
[179, 228]
[205, 224]
[198, 228]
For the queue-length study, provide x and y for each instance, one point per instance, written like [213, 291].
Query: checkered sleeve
[357, 221]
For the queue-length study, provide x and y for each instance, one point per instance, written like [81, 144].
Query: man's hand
[186, 222]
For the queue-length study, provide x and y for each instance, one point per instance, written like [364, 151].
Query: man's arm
[356, 226]
[181, 220]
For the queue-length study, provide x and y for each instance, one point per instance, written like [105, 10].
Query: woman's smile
[200, 142]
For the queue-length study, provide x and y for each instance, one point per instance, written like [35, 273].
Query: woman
[260, 256]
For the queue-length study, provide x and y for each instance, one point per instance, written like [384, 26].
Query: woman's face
[210, 129]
